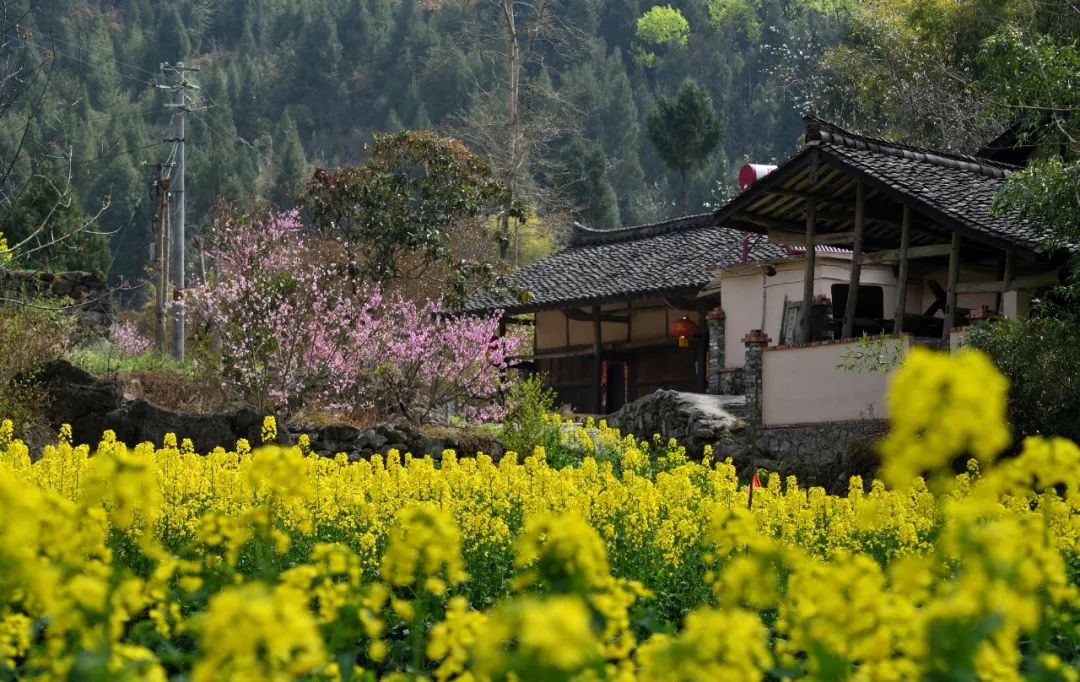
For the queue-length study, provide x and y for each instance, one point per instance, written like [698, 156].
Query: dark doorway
[616, 386]
[871, 302]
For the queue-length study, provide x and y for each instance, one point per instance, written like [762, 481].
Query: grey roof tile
[961, 187]
[676, 256]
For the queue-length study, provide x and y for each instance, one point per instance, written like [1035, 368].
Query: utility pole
[181, 106]
[161, 253]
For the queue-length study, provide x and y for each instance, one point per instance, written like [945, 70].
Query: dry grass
[176, 391]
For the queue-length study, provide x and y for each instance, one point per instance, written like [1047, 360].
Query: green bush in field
[1041, 359]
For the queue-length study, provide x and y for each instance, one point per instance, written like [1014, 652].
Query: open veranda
[151, 561]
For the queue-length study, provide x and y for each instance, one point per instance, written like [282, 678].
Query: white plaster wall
[1016, 304]
[803, 385]
[741, 296]
[580, 333]
[550, 329]
[741, 300]
[920, 297]
[612, 331]
[648, 324]
[649, 321]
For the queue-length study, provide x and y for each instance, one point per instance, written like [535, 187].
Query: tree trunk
[685, 194]
[513, 65]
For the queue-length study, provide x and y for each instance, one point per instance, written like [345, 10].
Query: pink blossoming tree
[128, 341]
[296, 332]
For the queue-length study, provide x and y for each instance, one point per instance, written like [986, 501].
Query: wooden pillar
[950, 292]
[702, 350]
[598, 362]
[1006, 279]
[848, 328]
[902, 275]
[808, 274]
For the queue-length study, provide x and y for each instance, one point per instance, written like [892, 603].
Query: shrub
[282, 321]
[30, 335]
[528, 423]
[1041, 359]
[422, 364]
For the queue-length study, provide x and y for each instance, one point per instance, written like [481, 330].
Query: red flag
[755, 482]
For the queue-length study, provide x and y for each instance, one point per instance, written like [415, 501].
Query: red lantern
[683, 328]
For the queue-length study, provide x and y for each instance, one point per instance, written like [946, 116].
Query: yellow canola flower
[942, 406]
[279, 564]
[269, 429]
[253, 632]
[528, 636]
[562, 549]
[424, 543]
[451, 641]
[713, 645]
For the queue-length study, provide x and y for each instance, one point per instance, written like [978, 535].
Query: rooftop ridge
[588, 236]
[823, 132]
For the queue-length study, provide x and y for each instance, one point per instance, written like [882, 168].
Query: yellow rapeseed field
[154, 562]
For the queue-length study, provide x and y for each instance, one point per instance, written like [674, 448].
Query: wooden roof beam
[768, 222]
[1043, 279]
[579, 315]
[893, 255]
[799, 238]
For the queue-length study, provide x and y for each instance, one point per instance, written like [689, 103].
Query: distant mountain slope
[287, 85]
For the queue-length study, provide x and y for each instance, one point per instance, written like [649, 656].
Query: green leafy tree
[1035, 73]
[173, 44]
[289, 154]
[404, 203]
[661, 26]
[585, 180]
[519, 81]
[685, 131]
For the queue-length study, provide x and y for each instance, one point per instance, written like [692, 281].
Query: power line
[52, 48]
[112, 154]
[98, 31]
[236, 141]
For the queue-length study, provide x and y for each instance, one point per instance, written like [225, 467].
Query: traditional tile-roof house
[927, 213]
[604, 306]
[909, 231]
[923, 252]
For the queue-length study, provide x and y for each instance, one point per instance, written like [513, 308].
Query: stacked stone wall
[826, 454]
[88, 291]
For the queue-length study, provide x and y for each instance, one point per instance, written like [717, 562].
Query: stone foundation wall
[693, 419]
[817, 454]
[731, 381]
[821, 454]
[87, 289]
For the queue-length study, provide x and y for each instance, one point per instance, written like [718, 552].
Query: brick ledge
[838, 422]
[834, 342]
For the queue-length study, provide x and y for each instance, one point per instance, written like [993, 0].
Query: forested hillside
[287, 86]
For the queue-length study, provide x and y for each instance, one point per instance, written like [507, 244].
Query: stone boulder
[78, 398]
[141, 420]
[94, 313]
[330, 439]
[693, 419]
[92, 405]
